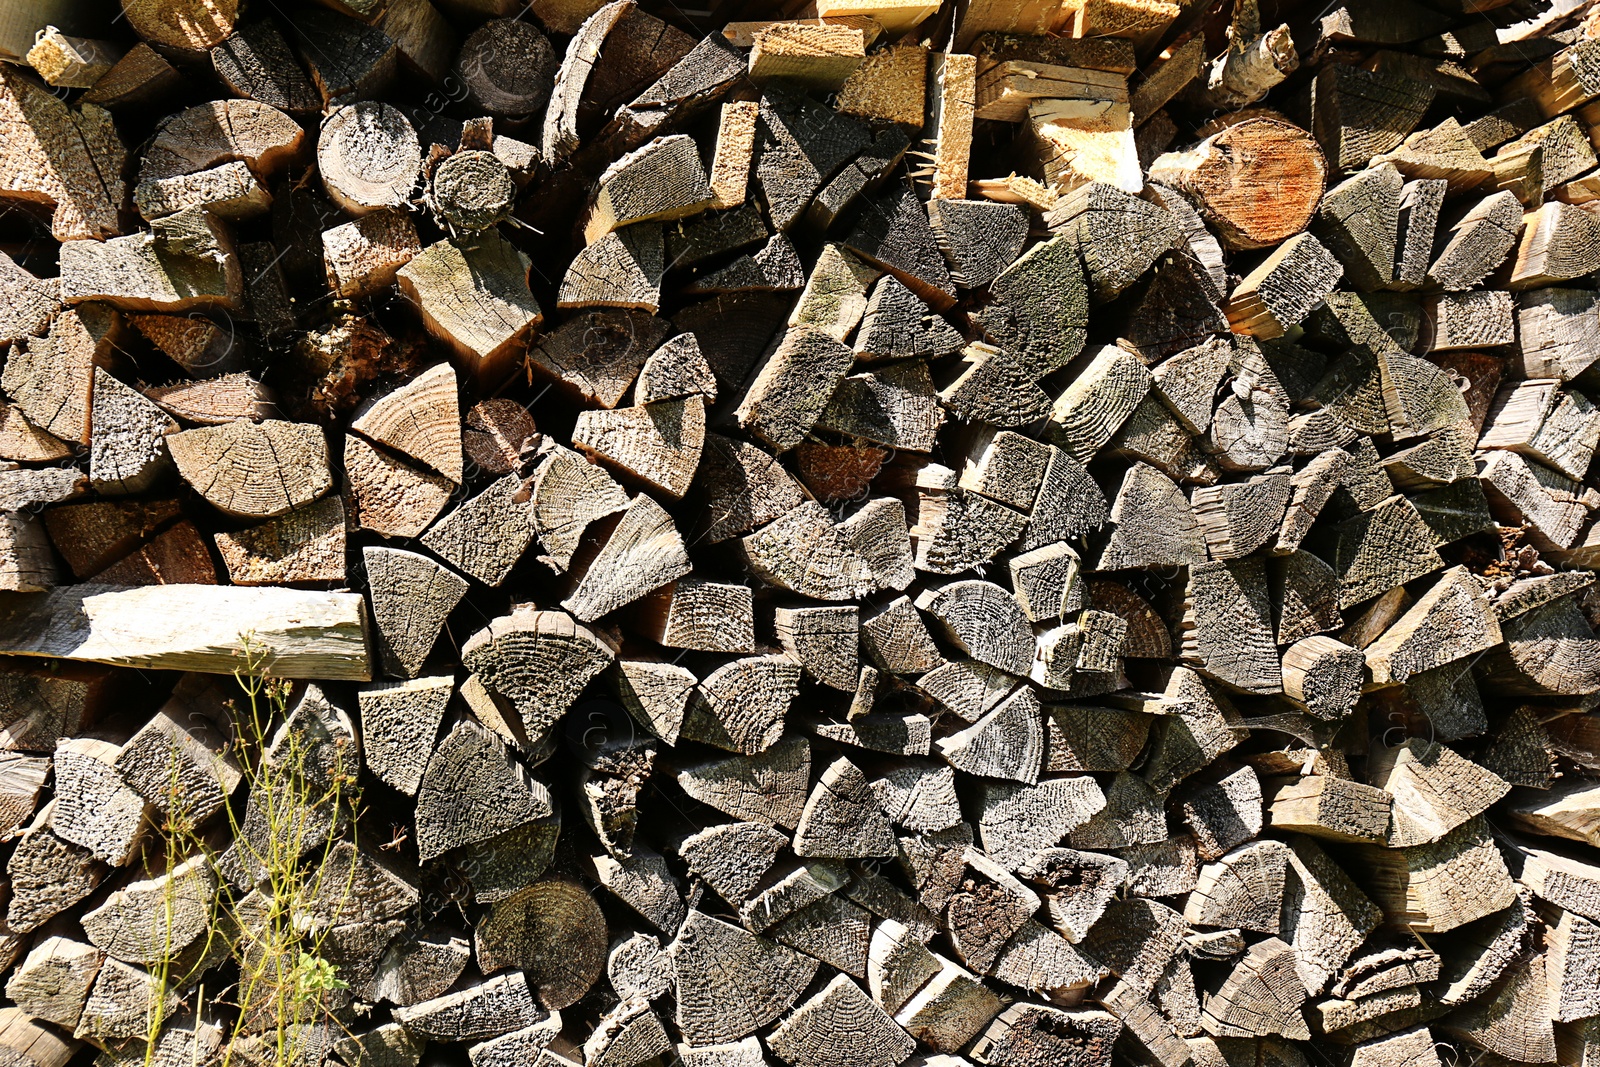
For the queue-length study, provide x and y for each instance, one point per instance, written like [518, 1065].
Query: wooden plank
[210, 629]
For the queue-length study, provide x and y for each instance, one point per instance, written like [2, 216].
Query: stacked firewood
[1014, 532]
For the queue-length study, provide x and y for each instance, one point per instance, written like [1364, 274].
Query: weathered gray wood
[204, 628]
[1008, 742]
[254, 470]
[94, 806]
[741, 705]
[53, 983]
[47, 875]
[399, 721]
[770, 787]
[474, 296]
[1286, 286]
[486, 1009]
[799, 145]
[731, 982]
[1358, 220]
[472, 790]
[790, 392]
[539, 660]
[186, 261]
[1478, 242]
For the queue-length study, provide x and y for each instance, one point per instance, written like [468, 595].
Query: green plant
[302, 793]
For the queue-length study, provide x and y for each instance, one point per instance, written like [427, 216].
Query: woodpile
[855, 533]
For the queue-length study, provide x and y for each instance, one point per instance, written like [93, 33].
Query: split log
[207, 135]
[1548, 651]
[663, 180]
[475, 298]
[1239, 518]
[256, 63]
[1420, 201]
[53, 983]
[1558, 243]
[741, 705]
[495, 432]
[1359, 222]
[145, 921]
[1358, 114]
[350, 60]
[362, 257]
[386, 496]
[841, 818]
[399, 721]
[1097, 402]
[411, 598]
[1261, 996]
[185, 262]
[1007, 742]
[1331, 808]
[1434, 789]
[216, 400]
[1450, 622]
[142, 77]
[815, 57]
[229, 190]
[1153, 524]
[898, 640]
[254, 470]
[799, 144]
[1286, 286]
[730, 164]
[643, 553]
[658, 443]
[889, 85]
[1225, 174]
[65, 159]
[823, 640]
[622, 269]
[713, 959]
[790, 392]
[128, 448]
[485, 1009]
[1041, 305]
[898, 323]
[600, 353]
[30, 303]
[1541, 421]
[472, 791]
[121, 999]
[569, 493]
[196, 344]
[47, 875]
[511, 655]
[420, 419]
[1225, 814]
[51, 381]
[1242, 653]
[1426, 884]
[305, 546]
[835, 296]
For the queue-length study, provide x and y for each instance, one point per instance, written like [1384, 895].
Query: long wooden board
[294, 633]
